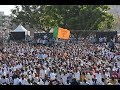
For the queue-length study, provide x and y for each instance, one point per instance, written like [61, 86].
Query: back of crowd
[64, 63]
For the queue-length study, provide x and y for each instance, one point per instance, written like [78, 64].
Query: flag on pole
[61, 33]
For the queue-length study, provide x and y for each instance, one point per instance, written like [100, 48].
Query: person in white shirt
[3, 80]
[16, 81]
[118, 82]
[103, 82]
[36, 80]
[25, 72]
[47, 71]
[90, 77]
[10, 73]
[41, 82]
[44, 56]
[115, 68]
[0, 80]
[84, 82]
[107, 74]
[64, 78]
[11, 80]
[100, 40]
[59, 76]
[55, 82]
[4, 73]
[14, 68]
[52, 76]
[23, 81]
[7, 81]
[42, 73]
[98, 77]
[0, 71]
[47, 82]
[77, 75]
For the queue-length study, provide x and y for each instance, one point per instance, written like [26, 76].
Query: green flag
[55, 32]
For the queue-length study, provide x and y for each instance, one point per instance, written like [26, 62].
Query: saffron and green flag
[61, 33]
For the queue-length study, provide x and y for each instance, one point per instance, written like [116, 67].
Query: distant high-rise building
[1, 13]
[115, 10]
[5, 21]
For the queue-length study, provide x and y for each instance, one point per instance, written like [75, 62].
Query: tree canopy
[75, 17]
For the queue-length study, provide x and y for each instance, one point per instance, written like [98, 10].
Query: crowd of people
[66, 62]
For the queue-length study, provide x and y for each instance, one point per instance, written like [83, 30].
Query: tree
[76, 17]
[86, 17]
[37, 16]
[26, 16]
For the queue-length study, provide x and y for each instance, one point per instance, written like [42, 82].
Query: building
[5, 25]
[5, 21]
[1, 13]
[115, 10]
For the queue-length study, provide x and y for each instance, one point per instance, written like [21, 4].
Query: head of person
[103, 80]
[112, 78]
[119, 81]
[84, 80]
[3, 77]
[74, 79]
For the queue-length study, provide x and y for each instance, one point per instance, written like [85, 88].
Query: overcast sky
[6, 9]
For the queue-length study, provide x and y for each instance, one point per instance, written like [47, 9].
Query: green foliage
[76, 17]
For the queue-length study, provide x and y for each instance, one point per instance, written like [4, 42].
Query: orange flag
[63, 33]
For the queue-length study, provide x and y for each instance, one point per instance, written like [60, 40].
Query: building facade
[5, 25]
[115, 10]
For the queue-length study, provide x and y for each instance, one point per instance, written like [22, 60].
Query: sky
[7, 9]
